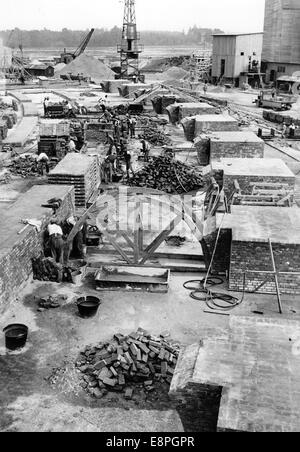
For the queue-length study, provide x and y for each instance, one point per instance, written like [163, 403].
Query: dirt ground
[40, 387]
[30, 401]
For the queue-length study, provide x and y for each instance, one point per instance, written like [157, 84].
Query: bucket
[88, 306]
[76, 277]
[15, 336]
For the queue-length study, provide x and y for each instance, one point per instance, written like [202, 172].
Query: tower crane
[130, 49]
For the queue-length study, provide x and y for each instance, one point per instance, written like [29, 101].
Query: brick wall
[198, 407]
[245, 181]
[221, 260]
[256, 256]
[15, 262]
[202, 145]
[219, 150]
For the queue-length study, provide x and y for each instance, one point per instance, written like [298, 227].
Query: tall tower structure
[281, 46]
[130, 49]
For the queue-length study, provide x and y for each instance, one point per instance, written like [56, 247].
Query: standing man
[111, 142]
[128, 163]
[145, 150]
[46, 104]
[132, 126]
[284, 130]
[56, 241]
[292, 130]
[43, 163]
[72, 145]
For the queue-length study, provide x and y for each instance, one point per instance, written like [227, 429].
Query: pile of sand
[175, 73]
[88, 66]
[59, 67]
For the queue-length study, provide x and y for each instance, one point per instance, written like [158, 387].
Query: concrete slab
[19, 137]
[259, 224]
[253, 368]
[28, 205]
[254, 167]
[242, 136]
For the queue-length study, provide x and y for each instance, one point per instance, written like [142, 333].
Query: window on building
[254, 53]
[281, 69]
[242, 53]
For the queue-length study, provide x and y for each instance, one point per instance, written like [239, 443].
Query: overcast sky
[229, 15]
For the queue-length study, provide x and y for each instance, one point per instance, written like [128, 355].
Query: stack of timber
[78, 170]
[166, 174]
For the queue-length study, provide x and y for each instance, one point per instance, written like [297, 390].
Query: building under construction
[281, 44]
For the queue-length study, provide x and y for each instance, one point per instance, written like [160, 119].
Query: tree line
[102, 37]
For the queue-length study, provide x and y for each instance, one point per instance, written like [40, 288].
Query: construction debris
[167, 174]
[25, 166]
[139, 361]
[52, 302]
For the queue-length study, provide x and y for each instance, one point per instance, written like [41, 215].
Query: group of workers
[288, 131]
[59, 247]
[118, 151]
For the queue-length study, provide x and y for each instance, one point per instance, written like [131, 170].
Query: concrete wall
[229, 48]
[15, 260]
[256, 256]
[281, 43]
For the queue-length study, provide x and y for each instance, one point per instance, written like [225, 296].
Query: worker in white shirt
[72, 145]
[56, 241]
[43, 163]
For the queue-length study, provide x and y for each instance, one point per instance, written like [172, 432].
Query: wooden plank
[150, 250]
[276, 277]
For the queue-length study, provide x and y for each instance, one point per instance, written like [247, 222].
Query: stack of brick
[215, 146]
[252, 227]
[235, 145]
[127, 361]
[82, 172]
[196, 125]
[177, 112]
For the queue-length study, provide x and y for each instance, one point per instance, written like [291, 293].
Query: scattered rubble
[127, 364]
[167, 174]
[52, 302]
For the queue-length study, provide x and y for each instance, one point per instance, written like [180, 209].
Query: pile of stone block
[127, 362]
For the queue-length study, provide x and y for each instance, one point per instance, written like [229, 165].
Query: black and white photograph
[150, 219]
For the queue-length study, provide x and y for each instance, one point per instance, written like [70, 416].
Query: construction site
[150, 236]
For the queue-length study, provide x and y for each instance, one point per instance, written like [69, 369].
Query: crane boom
[84, 44]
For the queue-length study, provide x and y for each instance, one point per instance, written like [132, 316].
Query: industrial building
[281, 43]
[235, 54]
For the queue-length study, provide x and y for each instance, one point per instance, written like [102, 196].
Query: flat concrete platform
[215, 123]
[254, 167]
[73, 164]
[259, 224]
[239, 137]
[254, 366]
[19, 136]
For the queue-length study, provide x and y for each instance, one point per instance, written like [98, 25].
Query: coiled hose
[214, 300]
